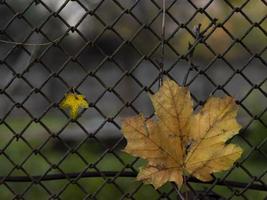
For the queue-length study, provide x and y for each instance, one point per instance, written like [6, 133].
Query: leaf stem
[179, 195]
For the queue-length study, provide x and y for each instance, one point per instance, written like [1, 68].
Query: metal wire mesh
[116, 52]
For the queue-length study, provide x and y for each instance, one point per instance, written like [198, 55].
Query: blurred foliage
[54, 150]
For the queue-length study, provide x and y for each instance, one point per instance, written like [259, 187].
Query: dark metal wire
[52, 177]
[163, 12]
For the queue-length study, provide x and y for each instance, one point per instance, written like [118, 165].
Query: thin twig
[191, 49]
[31, 44]
[163, 27]
[190, 55]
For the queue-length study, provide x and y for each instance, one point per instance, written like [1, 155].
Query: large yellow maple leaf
[180, 142]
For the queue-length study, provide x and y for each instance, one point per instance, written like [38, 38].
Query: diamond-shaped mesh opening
[179, 41]
[108, 18]
[130, 26]
[214, 10]
[116, 53]
[261, 9]
[250, 43]
[74, 7]
[219, 41]
[152, 41]
[182, 13]
[49, 32]
[145, 12]
[12, 27]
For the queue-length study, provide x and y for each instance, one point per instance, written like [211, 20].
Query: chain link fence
[116, 52]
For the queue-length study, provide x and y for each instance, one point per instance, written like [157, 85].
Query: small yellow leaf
[73, 102]
[180, 142]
